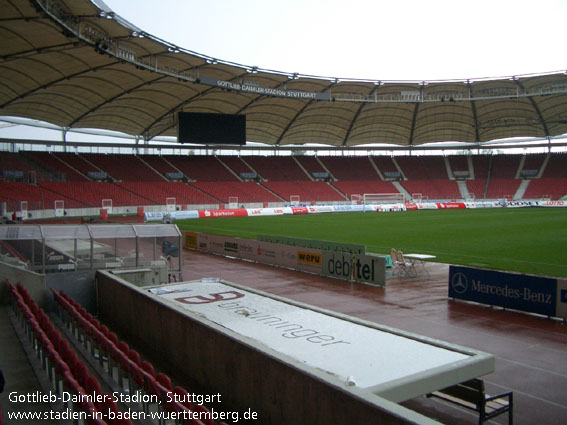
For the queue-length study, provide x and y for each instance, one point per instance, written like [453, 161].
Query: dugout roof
[78, 65]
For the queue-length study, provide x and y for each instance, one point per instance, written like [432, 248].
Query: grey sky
[382, 40]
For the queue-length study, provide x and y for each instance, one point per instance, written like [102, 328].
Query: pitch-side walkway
[530, 351]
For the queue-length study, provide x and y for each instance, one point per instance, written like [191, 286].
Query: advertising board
[369, 268]
[190, 239]
[355, 267]
[337, 264]
[533, 294]
[240, 212]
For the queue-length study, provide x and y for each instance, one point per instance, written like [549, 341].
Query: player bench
[471, 395]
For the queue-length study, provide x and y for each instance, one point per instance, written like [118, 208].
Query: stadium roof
[77, 64]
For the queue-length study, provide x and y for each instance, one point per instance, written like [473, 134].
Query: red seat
[114, 351]
[123, 346]
[105, 331]
[70, 358]
[93, 387]
[71, 383]
[43, 320]
[47, 326]
[148, 368]
[86, 405]
[164, 380]
[81, 373]
[124, 362]
[183, 396]
[108, 407]
[63, 348]
[58, 363]
[137, 374]
[92, 420]
[135, 368]
[135, 357]
[203, 409]
[34, 308]
[150, 384]
[152, 387]
[42, 337]
[113, 338]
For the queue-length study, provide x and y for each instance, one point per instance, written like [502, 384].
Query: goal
[356, 199]
[232, 202]
[59, 208]
[417, 197]
[107, 205]
[170, 204]
[382, 198]
[24, 209]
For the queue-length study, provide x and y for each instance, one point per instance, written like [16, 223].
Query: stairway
[463, 189]
[521, 189]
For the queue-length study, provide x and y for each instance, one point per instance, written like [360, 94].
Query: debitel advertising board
[356, 267]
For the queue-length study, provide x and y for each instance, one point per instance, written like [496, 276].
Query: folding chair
[396, 266]
[407, 266]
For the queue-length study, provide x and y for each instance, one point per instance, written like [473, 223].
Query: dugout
[67, 256]
[230, 355]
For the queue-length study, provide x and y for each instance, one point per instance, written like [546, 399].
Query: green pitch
[526, 240]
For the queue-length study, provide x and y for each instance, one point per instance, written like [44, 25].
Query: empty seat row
[125, 366]
[76, 167]
[65, 371]
[283, 168]
[158, 192]
[308, 191]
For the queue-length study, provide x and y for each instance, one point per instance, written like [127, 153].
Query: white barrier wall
[320, 209]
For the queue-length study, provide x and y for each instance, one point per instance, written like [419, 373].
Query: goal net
[294, 199]
[24, 209]
[170, 204]
[232, 202]
[356, 199]
[59, 208]
[382, 198]
[107, 205]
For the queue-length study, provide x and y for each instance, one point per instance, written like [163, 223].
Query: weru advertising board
[190, 239]
[533, 294]
[286, 256]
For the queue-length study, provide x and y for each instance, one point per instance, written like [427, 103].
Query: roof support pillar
[64, 139]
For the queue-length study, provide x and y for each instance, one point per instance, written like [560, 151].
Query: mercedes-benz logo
[460, 283]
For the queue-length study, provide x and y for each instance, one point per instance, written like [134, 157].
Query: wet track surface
[530, 351]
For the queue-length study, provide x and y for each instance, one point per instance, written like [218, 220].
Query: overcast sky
[379, 40]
